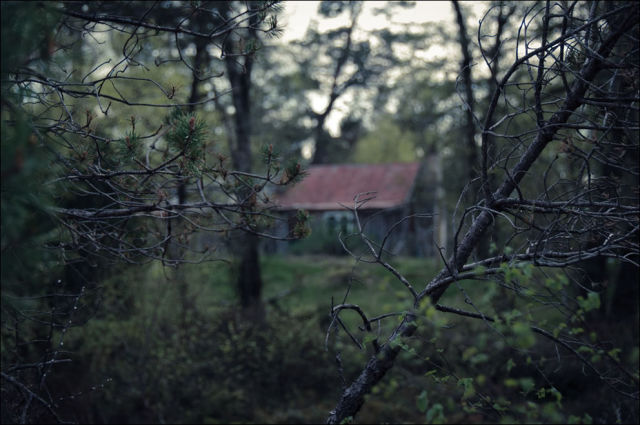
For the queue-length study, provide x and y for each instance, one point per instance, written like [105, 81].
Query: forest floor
[174, 348]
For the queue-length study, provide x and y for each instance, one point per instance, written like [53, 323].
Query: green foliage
[435, 414]
[186, 134]
[592, 301]
[585, 419]
[557, 282]
[293, 173]
[467, 384]
[27, 31]
[26, 221]
[193, 360]
[505, 349]
[388, 142]
[179, 350]
[302, 229]
[269, 154]
[129, 148]
[523, 337]
[422, 401]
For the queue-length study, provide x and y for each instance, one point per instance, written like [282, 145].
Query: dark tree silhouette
[121, 194]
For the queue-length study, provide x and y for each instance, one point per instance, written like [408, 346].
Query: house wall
[416, 236]
[407, 238]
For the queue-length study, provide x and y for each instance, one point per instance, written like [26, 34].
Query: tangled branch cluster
[125, 186]
[558, 179]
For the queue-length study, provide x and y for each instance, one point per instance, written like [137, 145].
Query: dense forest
[150, 273]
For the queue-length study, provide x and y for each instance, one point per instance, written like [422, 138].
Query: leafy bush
[178, 351]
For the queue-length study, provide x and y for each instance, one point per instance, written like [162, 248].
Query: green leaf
[524, 337]
[592, 301]
[469, 390]
[584, 349]
[510, 315]
[479, 358]
[498, 407]
[615, 353]
[422, 402]
[558, 329]
[556, 282]
[469, 352]
[527, 385]
[435, 415]
[557, 394]
[368, 338]
[479, 270]
[573, 419]
[510, 383]
[395, 343]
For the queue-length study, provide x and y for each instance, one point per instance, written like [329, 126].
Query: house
[395, 191]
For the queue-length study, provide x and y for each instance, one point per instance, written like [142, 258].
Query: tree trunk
[322, 140]
[245, 246]
[465, 70]
[249, 279]
[176, 253]
[321, 137]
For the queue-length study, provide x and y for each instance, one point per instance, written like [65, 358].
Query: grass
[315, 280]
[304, 284]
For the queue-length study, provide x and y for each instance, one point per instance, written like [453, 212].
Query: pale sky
[297, 16]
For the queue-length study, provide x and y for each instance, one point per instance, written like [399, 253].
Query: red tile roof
[326, 186]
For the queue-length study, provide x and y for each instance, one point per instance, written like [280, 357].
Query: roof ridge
[332, 184]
